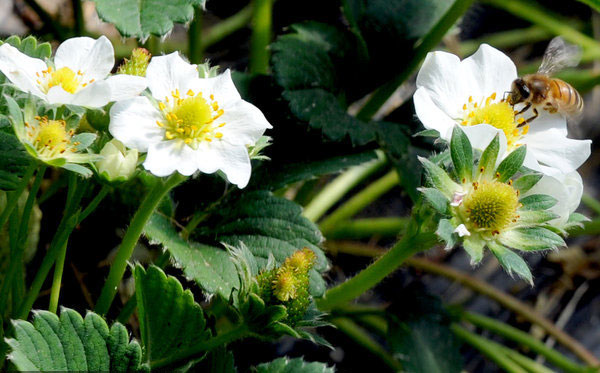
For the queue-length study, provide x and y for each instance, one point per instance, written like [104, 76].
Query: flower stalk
[119, 265]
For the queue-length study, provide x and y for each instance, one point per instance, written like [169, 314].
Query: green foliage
[420, 337]
[219, 360]
[511, 164]
[266, 225]
[462, 154]
[512, 262]
[140, 18]
[72, 343]
[30, 46]
[210, 267]
[169, 317]
[13, 161]
[297, 365]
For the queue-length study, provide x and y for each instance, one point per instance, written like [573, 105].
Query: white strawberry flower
[470, 93]
[190, 124]
[78, 74]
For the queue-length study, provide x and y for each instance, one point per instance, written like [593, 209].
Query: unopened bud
[137, 64]
[118, 163]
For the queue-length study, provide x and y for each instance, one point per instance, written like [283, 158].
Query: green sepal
[77, 168]
[526, 182]
[436, 199]
[16, 115]
[511, 164]
[535, 202]
[84, 139]
[531, 239]
[489, 157]
[531, 218]
[474, 247]
[462, 155]
[438, 178]
[575, 220]
[427, 133]
[511, 261]
[445, 231]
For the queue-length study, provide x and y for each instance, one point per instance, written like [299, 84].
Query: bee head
[519, 92]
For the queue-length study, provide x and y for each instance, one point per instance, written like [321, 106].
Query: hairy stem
[262, 19]
[227, 26]
[119, 265]
[367, 228]
[377, 271]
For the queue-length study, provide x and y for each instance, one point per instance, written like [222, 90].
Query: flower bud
[118, 163]
[137, 64]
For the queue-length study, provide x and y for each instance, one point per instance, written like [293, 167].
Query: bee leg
[535, 115]
[524, 109]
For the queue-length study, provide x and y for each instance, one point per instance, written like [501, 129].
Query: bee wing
[559, 54]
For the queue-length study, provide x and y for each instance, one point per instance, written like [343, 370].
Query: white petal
[554, 150]
[124, 86]
[94, 95]
[491, 69]
[21, 69]
[166, 157]
[556, 186]
[462, 231]
[234, 162]
[220, 86]
[133, 122]
[544, 122]
[431, 115]
[481, 135]
[95, 58]
[170, 72]
[446, 83]
[244, 123]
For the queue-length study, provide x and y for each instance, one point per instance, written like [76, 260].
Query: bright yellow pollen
[499, 114]
[492, 206]
[190, 119]
[65, 78]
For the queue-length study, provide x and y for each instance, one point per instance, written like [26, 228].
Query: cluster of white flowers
[185, 123]
[472, 93]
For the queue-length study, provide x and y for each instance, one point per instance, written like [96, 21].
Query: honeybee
[540, 90]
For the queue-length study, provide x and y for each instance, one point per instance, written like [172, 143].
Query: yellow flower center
[50, 138]
[191, 119]
[491, 205]
[499, 114]
[64, 77]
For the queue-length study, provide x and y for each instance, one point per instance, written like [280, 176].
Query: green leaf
[462, 155]
[419, 336]
[72, 343]
[266, 225]
[13, 161]
[529, 218]
[511, 164]
[140, 18]
[511, 262]
[305, 65]
[487, 162]
[267, 178]
[474, 247]
[219, 360]
[169, 317]
[531, 239]
[536, 202]
[445, 231]
[210, 267]
[436, 198]
[526, 182]
[296, 365]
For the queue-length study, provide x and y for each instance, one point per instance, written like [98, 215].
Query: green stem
[362, 337]
[262, 18]
[131, 304]
[488, 348]
[524, 339]
[78, 15]
[377, 271]
[366, 228]
[94, 203]
[5, 290]
[227, 26]
[435, 35]
[199, 349]
[592, 203]
[359, 201]
[338, 188]
[119, 265]
[542, 17]
[12, 198]
[531, 365]
[195, 47]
